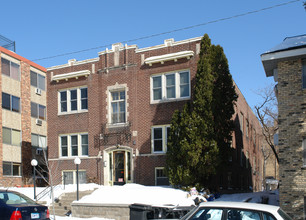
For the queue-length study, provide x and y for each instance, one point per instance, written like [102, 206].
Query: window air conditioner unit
[39, 151]
[39, 122]
[38, 91]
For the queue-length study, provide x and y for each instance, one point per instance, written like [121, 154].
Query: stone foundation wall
[109, 211]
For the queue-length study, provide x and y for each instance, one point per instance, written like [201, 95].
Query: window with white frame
[38, 111]
[170, 86]
[10, 69]
[160, 177]
[73, 100]
[37, 80]
[160, 138]
[11, 136]
[69, 177]
[10, 102]
[118, 106]
[74, 145]
[38, 141]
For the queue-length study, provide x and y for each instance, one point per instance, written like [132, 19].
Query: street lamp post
[34, 164]
[77, 162]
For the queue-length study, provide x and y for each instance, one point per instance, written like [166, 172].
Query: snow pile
[58, 191]
[135, 193]
[272, 197]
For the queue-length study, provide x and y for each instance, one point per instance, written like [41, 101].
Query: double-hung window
[38, 141]
[118, 110]
[38, 81]
[73, 100]
[74, 145]
[160, 177]
[160, 138]
[170, 86]
[11, 136]
[69, 177]
[10, 102]
[11, 169]
[38, 111]
[10, 69]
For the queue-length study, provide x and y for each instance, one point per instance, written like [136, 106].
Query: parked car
[16, 206]
[236, 211]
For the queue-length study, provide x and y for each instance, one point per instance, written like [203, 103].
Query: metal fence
[7, 43]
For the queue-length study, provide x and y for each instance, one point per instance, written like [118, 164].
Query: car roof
[6, 190]
[243, 205]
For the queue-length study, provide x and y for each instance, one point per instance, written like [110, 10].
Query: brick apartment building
[287, 63]
[114, 111]
[22, 116]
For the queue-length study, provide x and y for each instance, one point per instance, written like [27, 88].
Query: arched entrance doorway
[118, 166]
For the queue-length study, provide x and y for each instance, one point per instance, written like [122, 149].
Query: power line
[172, 31]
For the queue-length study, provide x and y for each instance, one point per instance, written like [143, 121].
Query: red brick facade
[123, 68]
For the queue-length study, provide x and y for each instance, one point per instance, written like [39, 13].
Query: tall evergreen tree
[201, 132]
[223, 103]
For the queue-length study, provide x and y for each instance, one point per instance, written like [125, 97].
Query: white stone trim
[121, 47]
[74, 63]
[166, 44]
[67, 76]
[167, 57]
[113, 88]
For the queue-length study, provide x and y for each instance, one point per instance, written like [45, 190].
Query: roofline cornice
[73, 62]
[173, 43]
[18, 57]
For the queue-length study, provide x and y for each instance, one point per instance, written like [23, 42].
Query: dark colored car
[16, 206]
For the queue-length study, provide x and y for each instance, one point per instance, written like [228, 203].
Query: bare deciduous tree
[267, 114]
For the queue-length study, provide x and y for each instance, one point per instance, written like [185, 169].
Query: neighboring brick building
[22, 117]
[287, 63]
[114, 112]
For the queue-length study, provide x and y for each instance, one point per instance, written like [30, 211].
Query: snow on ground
[58, 190]
[135, 193]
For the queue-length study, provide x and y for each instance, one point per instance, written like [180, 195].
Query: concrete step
[65, 200]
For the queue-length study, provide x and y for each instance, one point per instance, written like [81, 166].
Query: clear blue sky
[43, 28]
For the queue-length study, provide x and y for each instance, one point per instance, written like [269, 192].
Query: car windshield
[189, 213]
[284, 215]
[14, 198]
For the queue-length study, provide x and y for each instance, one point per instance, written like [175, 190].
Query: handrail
[46, 191]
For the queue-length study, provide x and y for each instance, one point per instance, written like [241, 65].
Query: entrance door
[119, 171]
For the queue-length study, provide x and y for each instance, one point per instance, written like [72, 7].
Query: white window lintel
[67, 76]
[167, 57]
